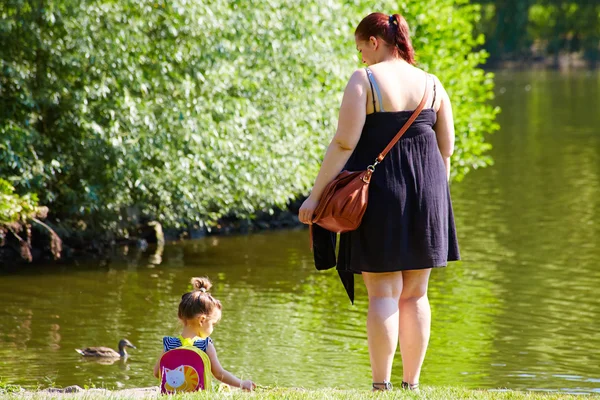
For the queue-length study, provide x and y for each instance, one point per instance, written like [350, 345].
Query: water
[520, 312]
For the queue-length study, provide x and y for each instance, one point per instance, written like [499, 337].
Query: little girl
[199, 312]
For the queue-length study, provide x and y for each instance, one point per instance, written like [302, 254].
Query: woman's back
[401, 87]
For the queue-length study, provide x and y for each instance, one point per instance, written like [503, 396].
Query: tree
[191, 111]
[512, 26]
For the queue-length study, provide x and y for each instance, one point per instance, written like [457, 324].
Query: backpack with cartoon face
[184, 369]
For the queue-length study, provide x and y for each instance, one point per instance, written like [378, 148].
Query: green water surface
[520, 311]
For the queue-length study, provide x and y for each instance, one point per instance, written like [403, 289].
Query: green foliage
[190, 111]
[7, 388]
[554, 26]
[566, 26]
[15, 208]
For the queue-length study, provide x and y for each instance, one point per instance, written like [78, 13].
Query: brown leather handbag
[344, 200]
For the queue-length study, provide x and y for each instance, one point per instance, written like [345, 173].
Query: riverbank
[561, 62]
[444, 393]
[80, 242]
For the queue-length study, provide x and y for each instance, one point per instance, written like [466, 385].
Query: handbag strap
[405, 127]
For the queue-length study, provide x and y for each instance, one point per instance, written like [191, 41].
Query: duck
[107, 352]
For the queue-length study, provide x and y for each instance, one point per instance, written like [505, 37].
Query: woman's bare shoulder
[436, 80]
[359, 75]
[358, 78]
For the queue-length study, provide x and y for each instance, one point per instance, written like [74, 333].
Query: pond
[519, 312]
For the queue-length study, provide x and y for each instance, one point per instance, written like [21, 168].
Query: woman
[408, 227]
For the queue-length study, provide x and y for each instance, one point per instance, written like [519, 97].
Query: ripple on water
[519, 312]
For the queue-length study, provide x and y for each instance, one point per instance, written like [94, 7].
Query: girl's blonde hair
[199, 301]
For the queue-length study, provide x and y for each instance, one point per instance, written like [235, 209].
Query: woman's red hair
[392, 29]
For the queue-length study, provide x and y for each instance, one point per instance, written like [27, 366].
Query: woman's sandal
[410, 386]
[385, 385]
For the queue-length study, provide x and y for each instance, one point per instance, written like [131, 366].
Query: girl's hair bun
[198, 301]
[203, 284]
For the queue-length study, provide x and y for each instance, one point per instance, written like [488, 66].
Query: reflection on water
[519, 312]
[531, 224]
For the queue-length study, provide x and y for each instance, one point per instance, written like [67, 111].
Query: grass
[6, 388]
[442, 393]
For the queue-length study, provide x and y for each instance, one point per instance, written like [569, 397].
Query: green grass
[6, 388]
[301, 394]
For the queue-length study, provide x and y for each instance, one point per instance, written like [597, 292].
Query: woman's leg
[415, 323]
[382, 321]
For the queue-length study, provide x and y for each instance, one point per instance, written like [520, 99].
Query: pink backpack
[184, 369]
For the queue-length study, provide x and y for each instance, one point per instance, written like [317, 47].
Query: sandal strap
[410, 386]
[386, 385]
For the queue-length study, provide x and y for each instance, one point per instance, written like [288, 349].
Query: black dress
[408, 223]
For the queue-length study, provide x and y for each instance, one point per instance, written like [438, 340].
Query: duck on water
[107, 352]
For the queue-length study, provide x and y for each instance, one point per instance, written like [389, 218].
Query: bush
[190, 111]
[16, 213]
[15, 208]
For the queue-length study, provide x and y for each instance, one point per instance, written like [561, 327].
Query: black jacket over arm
[324, 243]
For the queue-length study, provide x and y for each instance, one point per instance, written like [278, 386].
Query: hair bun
[202, 284]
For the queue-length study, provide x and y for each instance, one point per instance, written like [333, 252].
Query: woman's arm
[350, 124]
[225, 376]
[444, 128]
